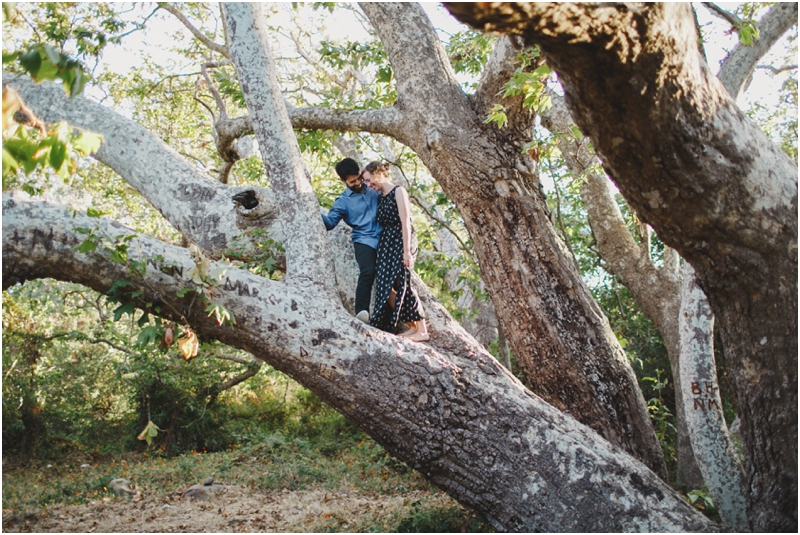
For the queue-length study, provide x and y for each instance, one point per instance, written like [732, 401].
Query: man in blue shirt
[357, 205]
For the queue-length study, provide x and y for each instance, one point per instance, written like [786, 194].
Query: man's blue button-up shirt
[358, 211]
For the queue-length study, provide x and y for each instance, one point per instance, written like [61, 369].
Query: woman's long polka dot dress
[391, 272]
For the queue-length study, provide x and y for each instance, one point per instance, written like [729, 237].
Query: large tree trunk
[556, 330]
[657, 290]
[447, 408]
[708, 181]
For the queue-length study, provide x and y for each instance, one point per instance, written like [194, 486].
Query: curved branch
[230, 383]
[737, 68]
[732, 19]
[776, 70]
[384, 121]
[221, 49]
[501, 66]
[81, 337]
[238, 360]
[199, 207]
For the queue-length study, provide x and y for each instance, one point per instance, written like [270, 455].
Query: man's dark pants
[366, 257]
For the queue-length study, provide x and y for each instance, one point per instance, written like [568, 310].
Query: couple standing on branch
[385, 246]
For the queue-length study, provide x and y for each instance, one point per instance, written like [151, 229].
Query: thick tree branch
[432, 405]
[499, 69]
[198, 206]
[384, 121]
[738, 67]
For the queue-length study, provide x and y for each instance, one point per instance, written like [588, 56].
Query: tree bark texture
[310, 258]
[657, 290]
[448, 409]
[556, 330]
[704, 417]
[559, 335]
[710, 183]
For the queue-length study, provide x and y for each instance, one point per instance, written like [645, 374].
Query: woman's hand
[407, 260]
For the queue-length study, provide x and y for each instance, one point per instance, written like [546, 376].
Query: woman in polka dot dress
[395, 298]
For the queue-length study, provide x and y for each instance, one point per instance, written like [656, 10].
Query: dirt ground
[229, 509]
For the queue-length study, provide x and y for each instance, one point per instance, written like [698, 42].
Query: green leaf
[183, 291]
[748, 33]
[87, 143]
[144, 320]
[576, 132]
[58, 153]
[86, 246]
[31, 61]
[148, 335]
[92, 212]
[127, 308]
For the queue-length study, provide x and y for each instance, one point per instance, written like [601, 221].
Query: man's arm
[335, 214]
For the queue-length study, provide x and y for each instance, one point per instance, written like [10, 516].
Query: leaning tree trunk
[555, 328]
[656, 290]
[447, 408]
[710, 183]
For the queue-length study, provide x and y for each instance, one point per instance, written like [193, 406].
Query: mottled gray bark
[704, 417]
[657, 290]
[556, 330]
[446, 408]
[712, 185]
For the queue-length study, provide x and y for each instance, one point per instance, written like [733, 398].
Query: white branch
[198, 206]
[308, 254]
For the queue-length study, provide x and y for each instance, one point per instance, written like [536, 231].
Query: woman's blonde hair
[377, 168]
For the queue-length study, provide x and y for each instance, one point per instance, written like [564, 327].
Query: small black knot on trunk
[247, 199]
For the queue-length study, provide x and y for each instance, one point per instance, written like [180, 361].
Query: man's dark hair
[347, 167]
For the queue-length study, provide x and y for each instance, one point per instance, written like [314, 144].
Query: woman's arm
[405, 224]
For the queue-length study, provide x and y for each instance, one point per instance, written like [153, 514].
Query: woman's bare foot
[419, 337]
[409, 333]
